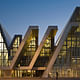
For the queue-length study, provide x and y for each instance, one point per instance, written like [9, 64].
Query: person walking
[56, 75]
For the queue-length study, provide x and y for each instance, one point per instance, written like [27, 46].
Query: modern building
[66, 57]
[24, 57]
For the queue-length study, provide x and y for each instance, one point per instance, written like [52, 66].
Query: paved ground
[39, 79]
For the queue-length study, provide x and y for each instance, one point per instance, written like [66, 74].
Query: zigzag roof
[37, 51]
[74, 21]
[42, 43]
[21, 45]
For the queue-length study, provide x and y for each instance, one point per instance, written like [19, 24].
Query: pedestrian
[56, 75]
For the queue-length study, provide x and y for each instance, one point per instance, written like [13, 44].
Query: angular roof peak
[53, 27]
[33, 27]
[6, 35]
[74, 21]
[76, 15]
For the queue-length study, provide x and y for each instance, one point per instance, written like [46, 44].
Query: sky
[17, 15]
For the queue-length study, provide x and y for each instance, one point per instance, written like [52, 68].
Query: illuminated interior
[67, 63]
[15, 58]
[45, 54]
[27, 52]
[14, 46]
[23, 73]
[3, 51]
[29, 49]
[46, 51]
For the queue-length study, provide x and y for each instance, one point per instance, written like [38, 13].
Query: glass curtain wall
[14, 46]
[3, 51]
[45, 53]
[67, 63]
[29, 49]
[27, 52]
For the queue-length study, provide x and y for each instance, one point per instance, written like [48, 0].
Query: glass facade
[14, 46]
[46, 51]
[27, 54]
[29, 49]
[23, 73]
[3, 51]
[67, 63]
[45, 54]
[76, 15]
